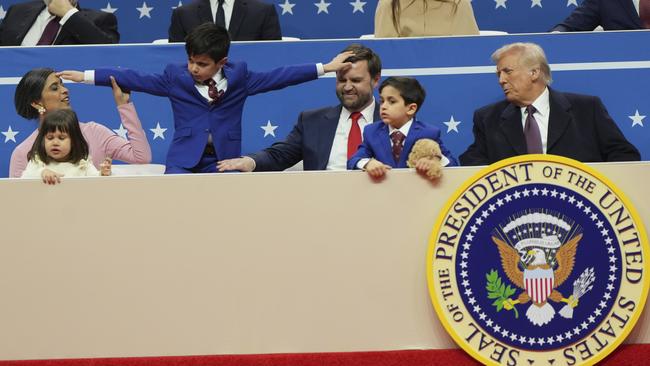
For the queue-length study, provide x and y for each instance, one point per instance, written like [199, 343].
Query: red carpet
[637, 355]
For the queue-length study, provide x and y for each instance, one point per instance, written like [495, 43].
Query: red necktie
[49, 33]
[354, 137]
[398, 144]
[531, 132]
[214, 93]
[644, 13]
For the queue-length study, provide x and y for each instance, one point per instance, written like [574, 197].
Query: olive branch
[499, 291]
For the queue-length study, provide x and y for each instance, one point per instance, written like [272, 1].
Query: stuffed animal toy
[427, 148]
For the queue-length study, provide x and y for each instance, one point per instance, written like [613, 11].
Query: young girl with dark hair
[61, 150]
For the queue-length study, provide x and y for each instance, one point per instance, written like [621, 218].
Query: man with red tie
[56, 22]
[325, 138]
[535, 119]
[609, 14]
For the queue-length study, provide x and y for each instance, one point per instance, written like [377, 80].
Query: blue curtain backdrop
[144, 21]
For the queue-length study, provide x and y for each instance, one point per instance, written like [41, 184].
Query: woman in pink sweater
[41, 90]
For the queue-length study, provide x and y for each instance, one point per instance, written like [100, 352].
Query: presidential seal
[538, 260]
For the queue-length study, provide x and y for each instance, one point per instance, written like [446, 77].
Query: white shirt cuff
[362, 163]
[320, 69]
[89, 77]
[444, 161]
[67, 15]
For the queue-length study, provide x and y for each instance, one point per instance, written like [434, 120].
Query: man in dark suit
[537, 119]
[610, 14]
[246, 20]
[321, 137]
[59, 22]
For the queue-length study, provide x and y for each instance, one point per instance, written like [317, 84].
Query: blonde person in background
[421, 18]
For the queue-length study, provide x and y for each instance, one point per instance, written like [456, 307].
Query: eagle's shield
[539, 283]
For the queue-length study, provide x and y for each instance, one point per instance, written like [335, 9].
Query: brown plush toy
[426, 149]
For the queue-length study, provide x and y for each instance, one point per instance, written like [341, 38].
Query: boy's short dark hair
[208, 39]
[361, 53]
[409, 88]
[66, 121]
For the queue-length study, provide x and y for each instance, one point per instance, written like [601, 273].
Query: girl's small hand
[105, 167]
[51, 177]
[121, 97]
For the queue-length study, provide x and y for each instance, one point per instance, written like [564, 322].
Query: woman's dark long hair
[29, 90]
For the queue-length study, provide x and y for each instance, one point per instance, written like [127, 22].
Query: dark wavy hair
[208, 39]
[409, 88]
[30, 90]
[362, 52]
[65, 121]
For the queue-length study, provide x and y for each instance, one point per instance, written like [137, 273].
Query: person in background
[421, 18]
[245, 20]
[40, 91]
[61, 150]
[535, 119]
[609, 14]
[387, 143]
[325, 138]
[56, 22]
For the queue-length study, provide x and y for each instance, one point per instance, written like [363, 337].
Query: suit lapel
[204, 12]
[559, 118]
[325, 130]
[629, 8]
[28, 19]
[385, 151]
[510, 125]
[63, 34]
[238, 15]
[414, 134]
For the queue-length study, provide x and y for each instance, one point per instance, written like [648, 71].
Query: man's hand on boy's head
[72, 75]
[338, 62]
[376, 169]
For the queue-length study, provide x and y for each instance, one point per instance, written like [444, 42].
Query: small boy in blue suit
[387, 144]
[207, 95]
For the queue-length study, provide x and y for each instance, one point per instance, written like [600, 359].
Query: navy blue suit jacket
[376, 144]
[610, 14]
[194, 117]
[88, 26]
[579, 127]
[251, 20]
[310, 141]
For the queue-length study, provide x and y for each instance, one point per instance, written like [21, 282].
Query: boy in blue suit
[207, 96]
[387, 144]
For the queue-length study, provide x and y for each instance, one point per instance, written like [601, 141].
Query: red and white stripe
[539, 284]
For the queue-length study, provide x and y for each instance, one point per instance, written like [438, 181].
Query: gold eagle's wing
[566, 259]
[509, 262]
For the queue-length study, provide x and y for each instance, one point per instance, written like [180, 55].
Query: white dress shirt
[339, 154]
[543, 110]
[227, 10]
[636, 5]
[36, 31]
